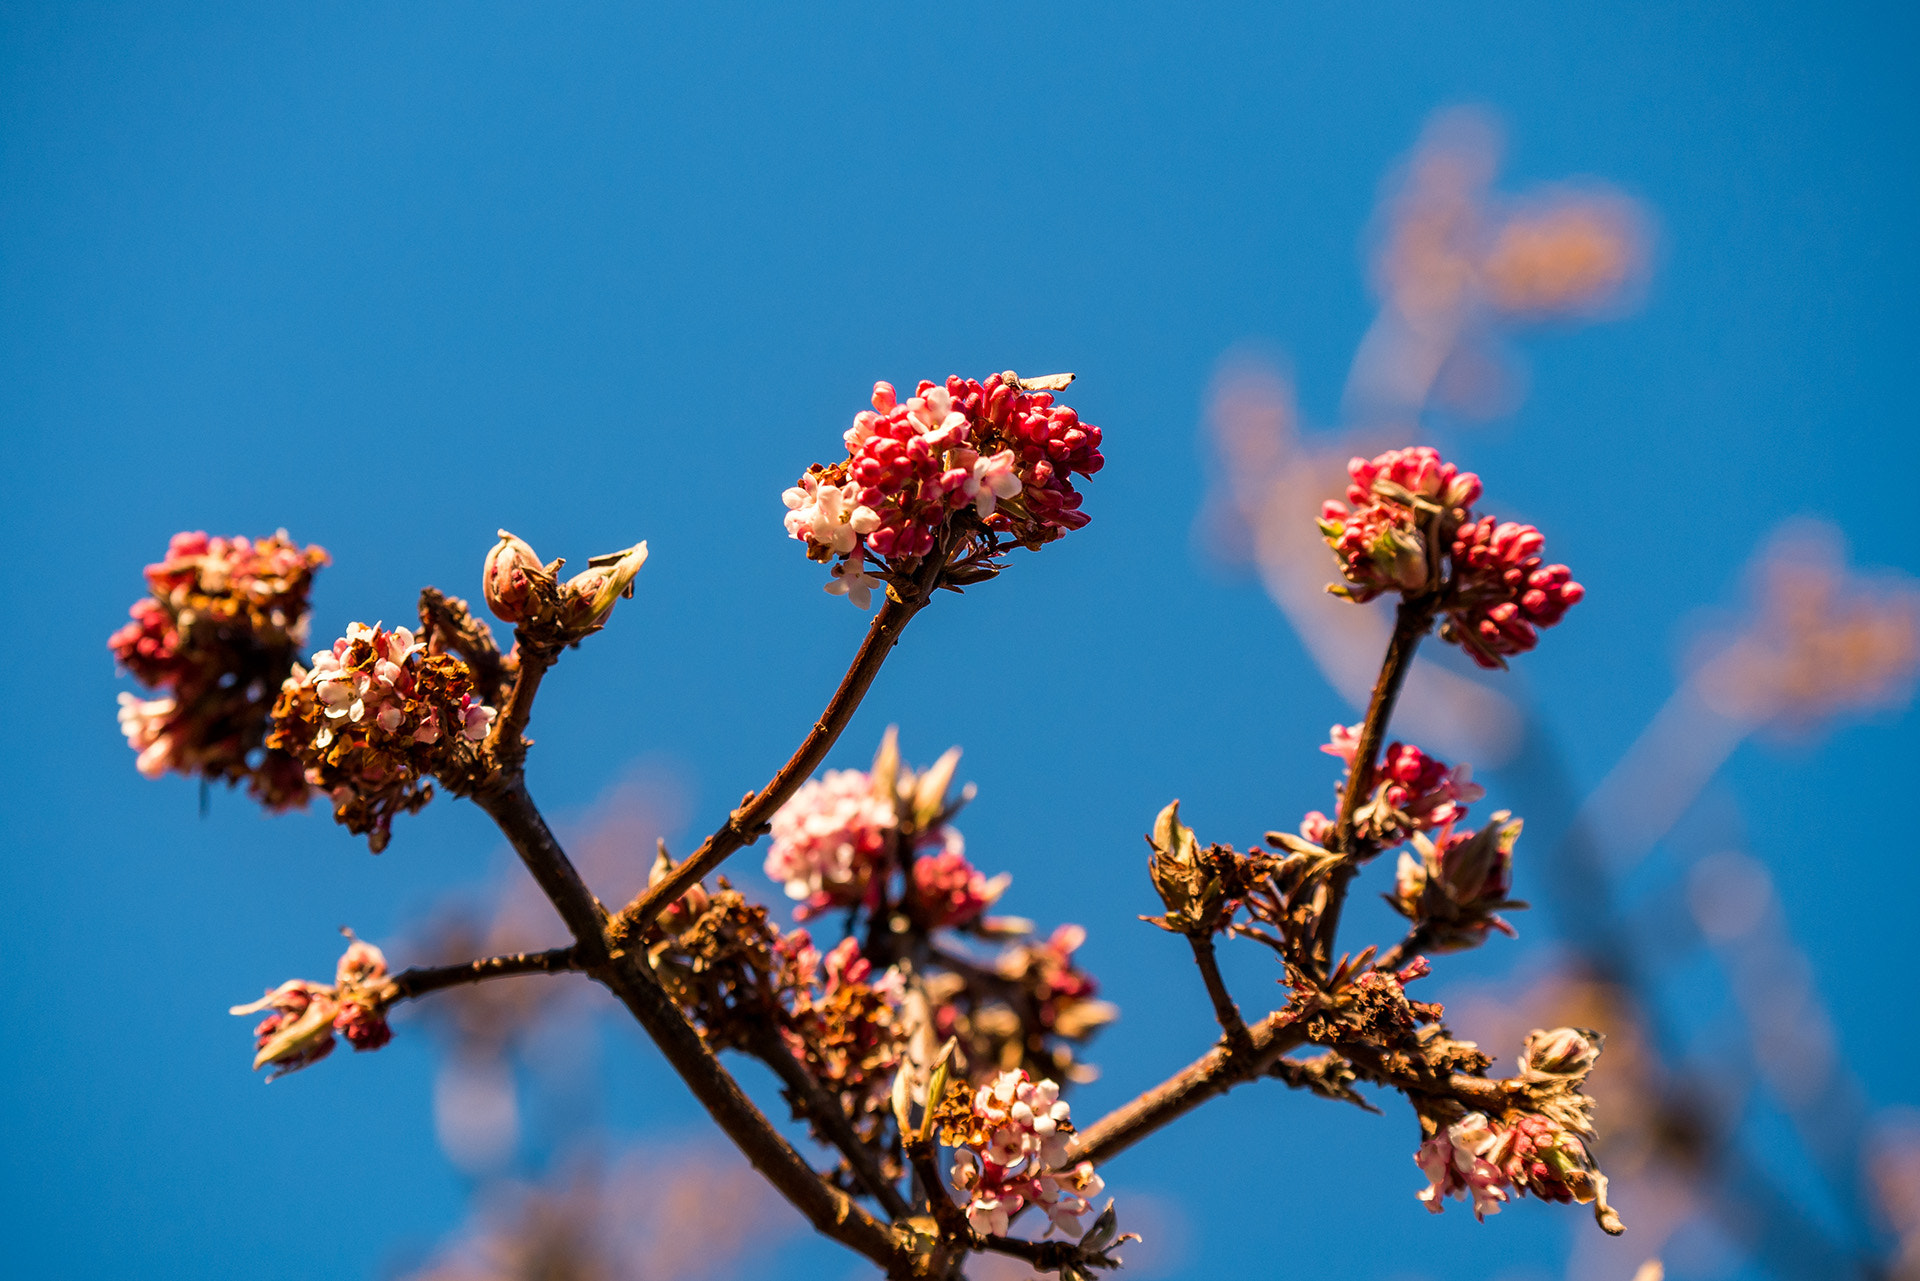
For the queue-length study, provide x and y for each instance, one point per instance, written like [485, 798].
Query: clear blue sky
[394, 276]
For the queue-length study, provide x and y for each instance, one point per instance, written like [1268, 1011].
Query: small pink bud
[508, 576]
[587, 599]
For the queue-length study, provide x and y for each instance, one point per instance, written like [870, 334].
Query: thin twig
[1410, 623]
[422, 979]
[745, 824]
[507, 743]
[1232, 1026]
[1417, 940]
[1211, 1075]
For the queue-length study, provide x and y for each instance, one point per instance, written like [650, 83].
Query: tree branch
[422, 979]
[824, 1110]
[1238, 1040]
[831, 1211]
[1213, 1074]
[745, 824]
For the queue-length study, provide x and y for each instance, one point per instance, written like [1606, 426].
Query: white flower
[851, 580]
[992, 478]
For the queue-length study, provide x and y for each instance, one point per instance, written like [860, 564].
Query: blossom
[1502, 592]
[1455, 1164]
[303, 1016]
[830, 838]
[990, 452]
[219, 630]
[1412, 791]
[1013, 1146]
[375, 717]
[843, 1020]
[850, 579]
[949, 891]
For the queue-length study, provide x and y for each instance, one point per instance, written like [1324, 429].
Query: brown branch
[1211, 1075]
[745, 824]
[831, 1211]
[1234, 1028]
[533, 840]
[1417, 940]
[507, 744]
[825, 1111]
[1410, 623]
[422, 979]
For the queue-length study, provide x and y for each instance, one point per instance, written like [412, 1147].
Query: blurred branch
[421, 980]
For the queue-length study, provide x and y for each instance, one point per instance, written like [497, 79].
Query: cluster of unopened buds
[1012, 1141]
[1543, 1150]
[219, 632]
[1408, 527]
[1412, 791]
[520, 589]
[373, 719]
[994, 458]
[303, 1017]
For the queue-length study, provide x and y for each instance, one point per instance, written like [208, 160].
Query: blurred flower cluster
[303, 1016]
[982, 465]
[219, 632]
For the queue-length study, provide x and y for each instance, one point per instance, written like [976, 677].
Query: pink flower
[988, 454]
[830, 839]
[509, 576]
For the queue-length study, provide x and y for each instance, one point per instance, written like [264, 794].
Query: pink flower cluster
[1502, 592]
[951, 892]
[834, 844]
[1412, 791]
[1474, 1159]
[304, 1016]
[830, 839]
[216, 636]
[1002, 455]
[1407, 507]
[384, 692]
[1379, 533]
[1023, 1158]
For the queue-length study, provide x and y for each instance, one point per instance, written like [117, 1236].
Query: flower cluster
[1407, 526]
[373, 719]
[1543, 1149]
[830, 839]
[1012, 1136]
[304, 1016]
[998, 456]
[1451, 884]
[220, 631]
[838, 840]
[1502, 591]
[1412, 792]
[1383, 533]
[949, 892]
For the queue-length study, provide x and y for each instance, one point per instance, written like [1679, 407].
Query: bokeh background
[394, 276]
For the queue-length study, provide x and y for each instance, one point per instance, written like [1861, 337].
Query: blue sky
[394, 277]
